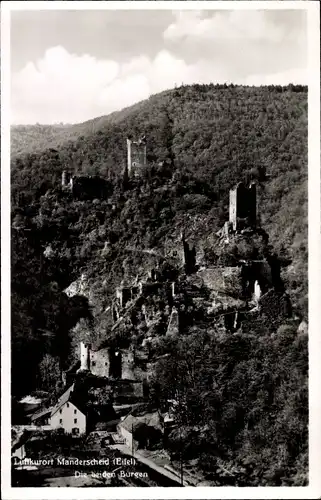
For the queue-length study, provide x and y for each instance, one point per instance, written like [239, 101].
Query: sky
[71, 66]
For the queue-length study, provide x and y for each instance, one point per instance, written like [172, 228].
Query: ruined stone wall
[100, 363]
[149, 312]
[243, 205]
[86, 187]
[252, 203]
[189, 257]
[123, 295]
[148, 289]
[128, 365]
[138, 154]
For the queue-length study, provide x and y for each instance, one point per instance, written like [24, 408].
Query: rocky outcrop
[303, 328]
[80, 287]
[223, 280]
[173, 325]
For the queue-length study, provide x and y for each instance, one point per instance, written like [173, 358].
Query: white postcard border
[314, 488]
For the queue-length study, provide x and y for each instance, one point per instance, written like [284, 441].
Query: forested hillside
[211, 136]
[34, 137]
[201, 140]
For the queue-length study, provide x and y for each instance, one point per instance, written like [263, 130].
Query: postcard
[160, 250]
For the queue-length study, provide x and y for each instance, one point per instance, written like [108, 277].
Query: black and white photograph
[161, 325]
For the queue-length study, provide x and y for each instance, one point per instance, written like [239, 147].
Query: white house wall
[20, 452]
[65, 418]
[126, 435]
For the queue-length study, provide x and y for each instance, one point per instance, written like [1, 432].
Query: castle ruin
[66, 180]
[136, 156]
[243, 206]
[229, 292]
[188, 256]
[107, 362]
[86, 186]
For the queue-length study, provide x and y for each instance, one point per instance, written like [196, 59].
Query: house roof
[73, 367]
[141, 416]
[41, 413]
[19, 439]
[65, 398]
[168, 417]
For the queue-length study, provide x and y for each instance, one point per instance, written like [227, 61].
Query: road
[150, 464]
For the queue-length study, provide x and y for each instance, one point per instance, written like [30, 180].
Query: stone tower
[66, 180]
[252, 206]
[189, 256]
[84, 356]
[243, 206]
[136, 156]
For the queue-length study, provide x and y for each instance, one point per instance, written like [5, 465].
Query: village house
[141, 428]
[18, 450]
[66, 415]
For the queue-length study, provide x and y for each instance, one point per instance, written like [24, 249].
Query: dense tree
[49, 372]
[241, 400]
